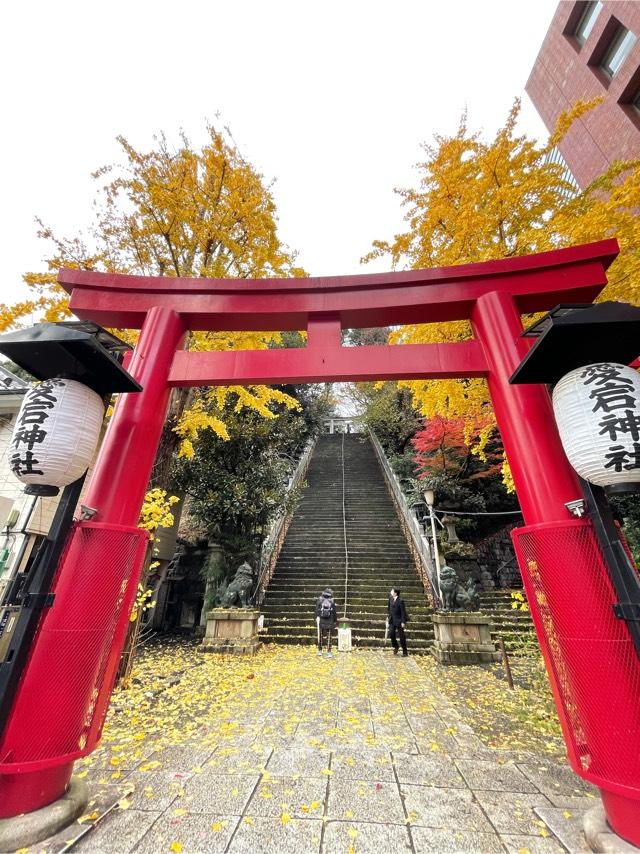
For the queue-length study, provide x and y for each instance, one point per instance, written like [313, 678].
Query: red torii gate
[62, 700]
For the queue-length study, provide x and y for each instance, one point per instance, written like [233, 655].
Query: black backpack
[326, 608]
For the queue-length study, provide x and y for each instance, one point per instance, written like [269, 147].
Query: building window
[554, 156]
[618, 51]
[635, 102]
[587, 21]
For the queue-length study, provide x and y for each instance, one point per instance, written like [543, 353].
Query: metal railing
[272, 543]
[344, 532]
[416, 540]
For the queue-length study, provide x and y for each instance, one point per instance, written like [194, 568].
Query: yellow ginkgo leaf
[176, 847]
[285, 818]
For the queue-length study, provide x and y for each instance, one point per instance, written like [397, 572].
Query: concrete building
[592, 49]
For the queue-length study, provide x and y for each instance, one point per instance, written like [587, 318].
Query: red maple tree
[451, 445]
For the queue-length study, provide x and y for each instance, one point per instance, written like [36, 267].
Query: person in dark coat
[326, 619]
[397, 621]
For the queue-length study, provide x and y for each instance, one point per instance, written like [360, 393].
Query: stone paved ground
[299, 754]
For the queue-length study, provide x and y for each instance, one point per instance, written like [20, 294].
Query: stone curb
[600, 837]
[30, 828]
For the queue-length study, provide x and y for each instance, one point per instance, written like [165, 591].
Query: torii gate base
[595, 675]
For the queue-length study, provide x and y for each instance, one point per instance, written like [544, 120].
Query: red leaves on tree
[445, 445]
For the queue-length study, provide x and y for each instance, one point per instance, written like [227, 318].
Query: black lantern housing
[77, 350]
[571, 336]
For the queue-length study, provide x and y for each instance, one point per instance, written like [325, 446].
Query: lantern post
[53, 443]
[583, 590]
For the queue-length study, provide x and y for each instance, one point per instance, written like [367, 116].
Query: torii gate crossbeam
[61, 702]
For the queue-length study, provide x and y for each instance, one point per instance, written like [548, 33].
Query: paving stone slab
[483, 774]
[309, 733]
[348, 706]
[433, 770]
[268, 835]
[302, 761]
[428, 806]
[567, 826]
[196, 833]
[351, 729]
[157, 789]
[180, 758]
[406, 744]
[365, 800]
[439, 741]
[362, 765]
[253, 760]
[533, 844]
[302, 798]
[364, 837]
[118, 833]
[286, 741]
[434, 841]
[423, 725]
[218, 794]
[513, 812]
[471, 747]
[557, 781]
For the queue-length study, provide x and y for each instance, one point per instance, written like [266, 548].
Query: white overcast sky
[332, 99]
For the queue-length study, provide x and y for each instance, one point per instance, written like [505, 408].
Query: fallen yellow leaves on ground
[522, 719]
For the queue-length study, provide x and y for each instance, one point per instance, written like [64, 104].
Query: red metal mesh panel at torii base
[64, 694]
[593, 665]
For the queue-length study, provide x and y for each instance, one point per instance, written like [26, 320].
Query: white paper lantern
[597, 409]
[56, 433]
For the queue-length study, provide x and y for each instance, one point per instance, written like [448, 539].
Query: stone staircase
[313, 554]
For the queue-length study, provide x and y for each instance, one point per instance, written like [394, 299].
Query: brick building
[592, 48]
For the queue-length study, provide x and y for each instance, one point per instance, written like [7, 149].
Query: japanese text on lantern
[614, 398]
[31, 428]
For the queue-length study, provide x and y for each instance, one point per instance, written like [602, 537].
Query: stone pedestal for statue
[463, 637]
[233, 631]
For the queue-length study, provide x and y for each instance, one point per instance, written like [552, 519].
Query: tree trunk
[169, 441]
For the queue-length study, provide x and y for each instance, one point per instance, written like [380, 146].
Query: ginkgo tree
[176, 211]
[479, 200]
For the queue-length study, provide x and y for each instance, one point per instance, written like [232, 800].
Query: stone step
[377, 589]
[362, 626]
[418, 646]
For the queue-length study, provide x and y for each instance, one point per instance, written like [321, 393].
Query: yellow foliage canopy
[175, 212]
[480, 200]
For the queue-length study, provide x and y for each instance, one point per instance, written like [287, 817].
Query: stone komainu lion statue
[455, 597]
[448, 588]
[239, 589]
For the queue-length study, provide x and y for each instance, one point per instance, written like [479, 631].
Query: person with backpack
[397, 619]
[326, 619]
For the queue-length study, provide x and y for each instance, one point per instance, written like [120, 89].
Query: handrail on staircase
[416, 540]
[344, 532]
[272, 543]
